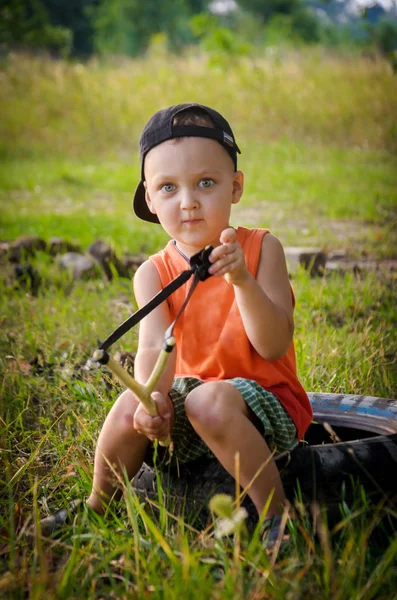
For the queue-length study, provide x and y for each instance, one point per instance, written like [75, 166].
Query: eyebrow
[202, 173]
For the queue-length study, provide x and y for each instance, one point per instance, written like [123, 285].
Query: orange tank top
[211, 342]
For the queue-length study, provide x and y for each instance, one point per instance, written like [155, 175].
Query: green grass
[318, 139]
[289, 187]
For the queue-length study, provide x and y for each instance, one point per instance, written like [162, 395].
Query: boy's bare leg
[121, 446]
[221, 418]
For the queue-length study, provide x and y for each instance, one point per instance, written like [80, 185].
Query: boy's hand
[228, 259]
[155, 428]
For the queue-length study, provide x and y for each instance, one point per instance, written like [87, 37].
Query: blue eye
[206, 183]
[168, 187]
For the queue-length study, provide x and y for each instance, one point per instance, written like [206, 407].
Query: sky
[223, 6]
[387, 4]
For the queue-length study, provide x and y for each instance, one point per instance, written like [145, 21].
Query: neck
[188, 251]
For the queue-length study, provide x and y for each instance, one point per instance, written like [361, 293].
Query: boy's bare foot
[273, 532]
[61, 517]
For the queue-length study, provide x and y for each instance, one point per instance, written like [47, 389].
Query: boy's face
[190, 186]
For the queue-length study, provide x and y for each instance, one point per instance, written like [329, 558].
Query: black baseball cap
[160, 128]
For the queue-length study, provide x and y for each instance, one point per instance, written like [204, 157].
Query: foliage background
[127, 27]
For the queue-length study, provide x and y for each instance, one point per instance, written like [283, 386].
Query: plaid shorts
[272, 420]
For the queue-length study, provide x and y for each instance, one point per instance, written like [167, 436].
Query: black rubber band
[145, 310]
[199, 264]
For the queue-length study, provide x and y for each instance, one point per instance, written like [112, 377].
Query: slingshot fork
[142, 391]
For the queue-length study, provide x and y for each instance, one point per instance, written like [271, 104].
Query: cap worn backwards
[160, 128]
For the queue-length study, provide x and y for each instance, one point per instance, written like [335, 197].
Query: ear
[238, 186]
[148, 200]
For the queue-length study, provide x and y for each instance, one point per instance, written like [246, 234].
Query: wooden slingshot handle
[142, 392]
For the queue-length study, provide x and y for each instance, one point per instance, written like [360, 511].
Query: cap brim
[141, 209]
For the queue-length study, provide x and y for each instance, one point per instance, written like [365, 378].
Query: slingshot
[199, 264]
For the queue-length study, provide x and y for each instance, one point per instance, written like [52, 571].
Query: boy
[231, 385]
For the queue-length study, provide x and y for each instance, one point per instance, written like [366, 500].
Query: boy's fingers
[146, 422]
[228, 236]
[221, 252]
[159, 432]
[156, 429]
[225, 260]
[162, 405]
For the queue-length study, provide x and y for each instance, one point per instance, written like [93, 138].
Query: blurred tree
[215, 38]
[264, 9]
[197, 6]
[75, 15]
[82, 26]
[126, 26]
[306, 25]
[27, 24]
[221, 43]
[299, 19]
[385, 36]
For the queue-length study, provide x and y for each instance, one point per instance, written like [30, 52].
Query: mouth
[192, 221]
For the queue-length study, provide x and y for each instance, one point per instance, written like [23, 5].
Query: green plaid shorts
[273, 421]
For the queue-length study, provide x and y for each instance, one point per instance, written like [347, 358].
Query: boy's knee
[206, 407]
[122, 414]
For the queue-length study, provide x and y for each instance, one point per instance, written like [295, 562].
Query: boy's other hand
[159, 427]
[228, 259]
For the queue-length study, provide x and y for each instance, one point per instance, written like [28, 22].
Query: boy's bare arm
[151, 335]
[265, 303]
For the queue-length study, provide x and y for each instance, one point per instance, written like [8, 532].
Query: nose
[189, 200]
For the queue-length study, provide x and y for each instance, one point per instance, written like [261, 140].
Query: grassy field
[318, 136]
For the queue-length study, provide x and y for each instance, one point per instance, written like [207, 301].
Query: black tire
[359, 445]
